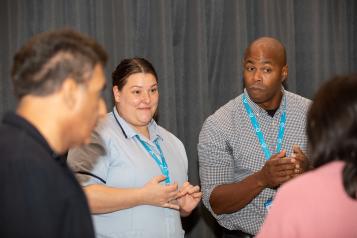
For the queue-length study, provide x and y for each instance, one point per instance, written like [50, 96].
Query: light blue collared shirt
[117, 159]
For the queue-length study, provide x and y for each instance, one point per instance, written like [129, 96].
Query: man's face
[90, 107]
[263, 76]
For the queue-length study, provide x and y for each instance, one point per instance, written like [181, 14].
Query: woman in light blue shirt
[134, 172]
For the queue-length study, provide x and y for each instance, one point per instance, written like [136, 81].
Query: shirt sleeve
[215, 160]
[182, 151]
[90, 162]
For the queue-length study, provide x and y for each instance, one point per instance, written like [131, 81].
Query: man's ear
[285, 71]
[116, 94]
[69, 91]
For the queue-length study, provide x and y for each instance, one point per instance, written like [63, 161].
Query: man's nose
[257, 76]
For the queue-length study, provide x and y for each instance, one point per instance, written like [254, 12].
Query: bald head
[270, 47]
[265, 70]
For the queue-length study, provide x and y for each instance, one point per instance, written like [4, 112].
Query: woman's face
[137, 101]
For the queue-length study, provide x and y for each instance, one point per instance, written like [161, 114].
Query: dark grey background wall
[196, 47]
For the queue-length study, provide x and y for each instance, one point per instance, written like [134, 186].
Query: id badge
[268, 203]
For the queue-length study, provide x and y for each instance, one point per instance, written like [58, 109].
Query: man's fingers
[298, 153]
[284, 179]
[297, 149]
[286, 173]
[279, 155]
[281, 163]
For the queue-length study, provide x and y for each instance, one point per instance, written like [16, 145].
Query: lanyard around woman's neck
[161, 162]
[259, 132]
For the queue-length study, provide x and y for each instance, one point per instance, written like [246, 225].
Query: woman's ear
[116, 94]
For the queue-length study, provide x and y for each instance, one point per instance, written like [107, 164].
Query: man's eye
[153, 90]
[136, 92]
[267, 70]
[249, 68]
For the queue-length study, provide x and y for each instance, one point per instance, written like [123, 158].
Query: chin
[146, 119]
[145, 122]
[257, 100]
[257, 97]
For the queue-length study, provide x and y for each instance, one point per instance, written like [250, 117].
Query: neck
[143, 130]
[273, 103]
[38, 115]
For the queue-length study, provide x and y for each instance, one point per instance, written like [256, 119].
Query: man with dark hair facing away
[58, 78]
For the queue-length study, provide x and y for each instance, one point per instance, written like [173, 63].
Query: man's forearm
[230, 198]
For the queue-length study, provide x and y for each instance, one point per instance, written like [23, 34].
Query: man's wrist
[261, 180]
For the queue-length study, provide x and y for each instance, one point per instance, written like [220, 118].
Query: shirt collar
[258, 110]
[130, 132]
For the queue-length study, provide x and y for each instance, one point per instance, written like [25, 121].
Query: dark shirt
[272, 112]
[39, 196]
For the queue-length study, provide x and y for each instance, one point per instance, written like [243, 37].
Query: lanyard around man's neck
[259, 132]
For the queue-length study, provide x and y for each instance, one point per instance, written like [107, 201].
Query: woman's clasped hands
[184, 199]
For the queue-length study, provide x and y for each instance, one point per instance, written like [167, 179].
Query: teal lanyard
[259, 132]
[160, 162]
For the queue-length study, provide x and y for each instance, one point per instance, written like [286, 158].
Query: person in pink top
[322, 202]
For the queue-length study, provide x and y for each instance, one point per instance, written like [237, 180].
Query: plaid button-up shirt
[229, 151]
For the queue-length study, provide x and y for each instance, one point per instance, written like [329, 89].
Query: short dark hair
[47, 59]
[332, 128]
[131, 66]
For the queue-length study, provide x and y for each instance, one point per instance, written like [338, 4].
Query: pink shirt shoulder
[313, 205]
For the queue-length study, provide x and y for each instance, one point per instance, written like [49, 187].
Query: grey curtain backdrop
[196, 47]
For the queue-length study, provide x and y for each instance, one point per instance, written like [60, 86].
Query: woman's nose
[146, 97]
